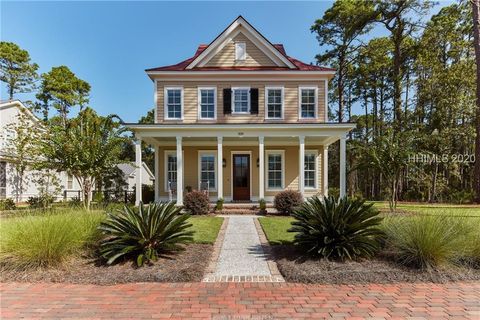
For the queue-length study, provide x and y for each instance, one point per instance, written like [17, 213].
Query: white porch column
[343, 167]
[301, 161]
[261, 167]
[179, 172]
[138, 176]
[219, 167]
[325, 171]
[157, 174]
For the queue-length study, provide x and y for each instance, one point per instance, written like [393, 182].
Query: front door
[241, 177]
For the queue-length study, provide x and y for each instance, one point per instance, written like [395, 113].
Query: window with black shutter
[227, 101]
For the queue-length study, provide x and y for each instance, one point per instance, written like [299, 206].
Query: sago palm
[337, 228]
[144, 232]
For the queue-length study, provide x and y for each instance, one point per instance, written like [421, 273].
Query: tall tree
[62, 90]
[338, 31]
[476, 37]
[400, 18]
[88, 147]
[17, 71]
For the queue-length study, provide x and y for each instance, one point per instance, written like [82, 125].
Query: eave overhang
[241, 130]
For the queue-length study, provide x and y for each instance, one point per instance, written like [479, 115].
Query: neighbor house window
[207, 170]
[170, 170]
[173, 103]
[207, 100]
[275, 169]
[240, 51]
[308, 102]
[274, 101]
[241, 100]
[69, 182]
[310, 169]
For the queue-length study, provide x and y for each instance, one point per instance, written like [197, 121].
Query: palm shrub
[337, 228]
[144, 232]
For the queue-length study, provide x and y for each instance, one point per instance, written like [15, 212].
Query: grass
[433, 209]
[436, 236]
[206, 228]
[31, 241]
[430, 241]
[275, 229]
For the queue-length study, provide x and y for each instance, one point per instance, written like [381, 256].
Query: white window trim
[165, 166]
[300, 102]
[200, 154]
[315, 152]
[233, 100]
[244, 51]
[282, 153]
[266, 101]
[199, 97]
[165, 102]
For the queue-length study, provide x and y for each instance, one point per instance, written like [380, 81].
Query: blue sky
[109, 44]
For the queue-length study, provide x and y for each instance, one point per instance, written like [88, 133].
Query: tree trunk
[476, 41]
[341, 69]
[397, 74]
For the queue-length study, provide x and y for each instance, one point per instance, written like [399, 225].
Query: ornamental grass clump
[48, 239]
[144, 232]
[337, 228]
[431, 241]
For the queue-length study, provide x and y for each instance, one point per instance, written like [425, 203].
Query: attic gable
[259, 51]
[254, 57]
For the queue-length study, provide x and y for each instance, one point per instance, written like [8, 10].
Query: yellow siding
[191, 169]
[291, 98]
[226, 57]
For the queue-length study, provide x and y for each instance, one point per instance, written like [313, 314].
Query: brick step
[238, 211]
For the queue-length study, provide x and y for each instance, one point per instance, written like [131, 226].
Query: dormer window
[240, 51]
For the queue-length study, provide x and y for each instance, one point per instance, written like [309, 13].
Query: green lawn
[437, 209]
[206, 228]
[275, 229]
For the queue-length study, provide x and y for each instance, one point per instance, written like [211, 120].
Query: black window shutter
[227, 101]
[254, 101]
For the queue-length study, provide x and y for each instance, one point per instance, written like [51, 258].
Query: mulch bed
[378, 270]
[184, 266]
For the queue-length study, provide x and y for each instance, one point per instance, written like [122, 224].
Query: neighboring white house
[130, 171]
[10, 112]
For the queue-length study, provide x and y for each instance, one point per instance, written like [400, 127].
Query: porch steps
[244, 209]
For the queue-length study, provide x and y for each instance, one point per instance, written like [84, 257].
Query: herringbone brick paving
[240, 301]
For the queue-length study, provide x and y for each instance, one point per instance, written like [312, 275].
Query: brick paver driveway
[239, 301]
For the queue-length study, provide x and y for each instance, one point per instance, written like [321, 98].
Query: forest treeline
[416, 87]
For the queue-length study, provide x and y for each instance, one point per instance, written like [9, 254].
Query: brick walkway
[239, 301]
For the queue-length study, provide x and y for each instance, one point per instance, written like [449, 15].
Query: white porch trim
[138, 164]
[343, 168]
[179, 172]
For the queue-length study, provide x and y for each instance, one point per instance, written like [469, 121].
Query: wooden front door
[241, 177]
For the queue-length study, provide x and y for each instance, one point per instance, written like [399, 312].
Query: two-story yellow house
[241, 119]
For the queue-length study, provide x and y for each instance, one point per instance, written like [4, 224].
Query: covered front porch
[240, 163]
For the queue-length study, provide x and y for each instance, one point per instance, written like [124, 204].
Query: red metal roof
[300, 66]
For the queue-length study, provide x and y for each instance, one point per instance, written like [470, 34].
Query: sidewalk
[242, 256]
[240, 301]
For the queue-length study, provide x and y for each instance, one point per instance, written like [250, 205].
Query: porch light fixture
[258, 162]
[224, 162]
